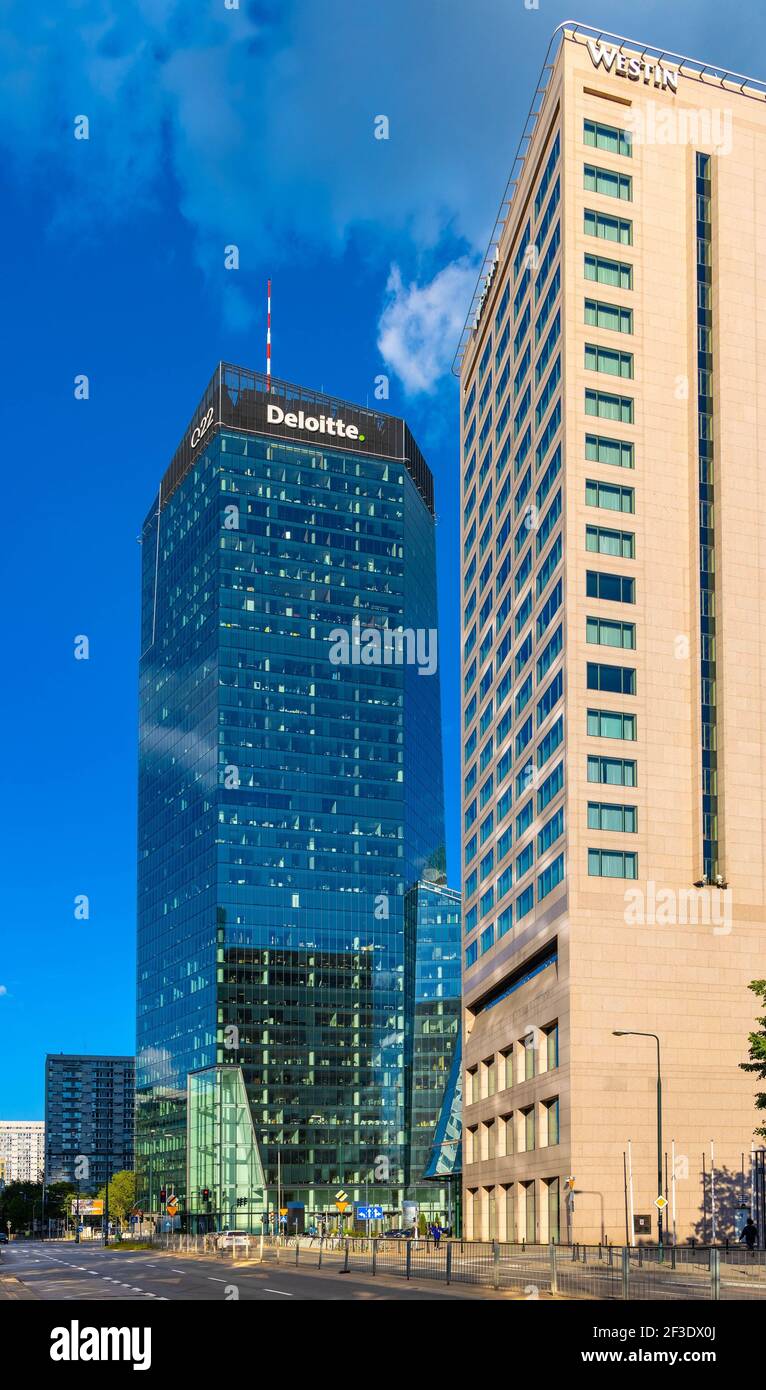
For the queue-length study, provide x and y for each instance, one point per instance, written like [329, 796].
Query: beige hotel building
[613, 432]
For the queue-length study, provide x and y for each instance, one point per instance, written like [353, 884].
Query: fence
[696, 1273]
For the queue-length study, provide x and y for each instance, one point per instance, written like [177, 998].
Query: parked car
[228, 1239]
[3, 1237]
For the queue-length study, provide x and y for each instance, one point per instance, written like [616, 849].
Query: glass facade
[291, 830]
[705, 448]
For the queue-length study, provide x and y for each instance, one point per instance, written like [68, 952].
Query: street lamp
[633, 1033]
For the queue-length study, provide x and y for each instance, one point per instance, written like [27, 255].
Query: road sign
[660, 1202]
[373, 1213]
[283, 1211]
[342, 1206]
[172, 1206]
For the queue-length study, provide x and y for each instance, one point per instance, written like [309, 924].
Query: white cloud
[420, 325]
[3, 989]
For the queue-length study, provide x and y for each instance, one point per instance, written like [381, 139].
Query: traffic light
[206, 1194]
[163, 1193]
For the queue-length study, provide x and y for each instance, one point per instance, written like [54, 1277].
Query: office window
[507, 1068]
[471, 954]
[529, 1211]
[608, 182]
[608, 137]
[612, 772]
[528, 1130]
[505, 1123]
[604, 541]
[600, 224]
[472, 1087]
[606, 633]
[550, 787]
[616, 680]
[602, 815]
[551, 1034]
[551, 1108]
[619, 274]
[617, 452]
[611, 316]
[611, 496]
[603, 723]
[614, 588]
[608, 407]
[611, 863]
[490, 1076]
[525, 860]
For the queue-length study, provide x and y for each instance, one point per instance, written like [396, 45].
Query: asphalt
[62, 1271]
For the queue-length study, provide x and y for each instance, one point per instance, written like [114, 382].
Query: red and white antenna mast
[268, 335]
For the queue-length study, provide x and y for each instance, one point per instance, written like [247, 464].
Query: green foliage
[122, 1195]
[757, 1063]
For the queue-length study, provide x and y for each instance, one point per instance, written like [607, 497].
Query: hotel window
[610, 496]
[604, 541]
[528, 1128]
[604, 723]
[551, 831]
[611, 863]
[616, 680]
[608, 360]
[608, 137]
[619, 274]
[612, 772]
[550, 787]
[614, 588]
[620, 453]
[609, 407]
[602, 815]
[608, 182]
[605, 633]
[600, 224]
[611, 316]
[551, 1034]
[550, 878]
[551, 1108]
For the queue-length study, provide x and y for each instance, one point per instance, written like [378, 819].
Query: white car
[227, 1240]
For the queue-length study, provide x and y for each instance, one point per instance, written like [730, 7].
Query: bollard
[626, 1272]
[449, 1261]
[495, 1265]
[374, 1256]
[321, 1243]
[672, 1257]
[297, 1249]
[409, 1258]
[715, 1274]
[554, 1275]
[345, 1264]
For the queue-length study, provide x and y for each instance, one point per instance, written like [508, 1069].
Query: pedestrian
[437, 1230]
[749, 1234]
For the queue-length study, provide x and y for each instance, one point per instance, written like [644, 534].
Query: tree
[757, 1063]
[122, 1195]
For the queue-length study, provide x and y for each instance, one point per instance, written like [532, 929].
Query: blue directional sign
[369, 1213]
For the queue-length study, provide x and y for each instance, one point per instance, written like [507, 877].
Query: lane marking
[281, 1291]
[213, 1280]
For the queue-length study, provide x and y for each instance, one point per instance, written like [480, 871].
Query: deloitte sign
[315, 424]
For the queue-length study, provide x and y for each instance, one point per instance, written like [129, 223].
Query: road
[60, 1270]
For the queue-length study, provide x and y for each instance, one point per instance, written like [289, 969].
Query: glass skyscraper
[291, 821]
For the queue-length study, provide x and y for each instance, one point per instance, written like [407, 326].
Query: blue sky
[212, 127]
